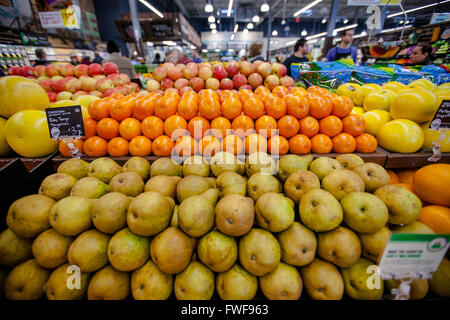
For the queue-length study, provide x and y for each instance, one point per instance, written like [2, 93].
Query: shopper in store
[86, 60]
[122, 62]
[301, 49]
[173, 56]
[97, 58]
[74, 60]
[41, 56]
[157, 59]
[195, 57]
[421, 54]
[255, 52]
[344, 50]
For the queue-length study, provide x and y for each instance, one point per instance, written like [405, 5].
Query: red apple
[39, 71]
[115, 77]
[81, 70]
[219, 72]
[73, 85]
[134, 86]
[96, 93]
[51, 96]
[226, 84]
[190, 71]
[246, 68]
[181, 66]
[26, 71]
[52, 70]
[88, 83]
[246, 87]
[166, 83]
[109, 92]
[271, 82]
[67, 69]
[287, 81]
[110, 67]
[123, 90]
[168, 65]
[180, 83]
[175, 73]
[78, 94]
[59, 85]
[279, 69]
[125, 78]
[264, 69]
[104, 84]
[255, 80]
[232, 68]
[239, 80]
[99, 76]
[152, 85]
[197, 84]
[159, 73]
[212, 83]
[46, 84]
[14, 71]
[64, 95]
[183, 90]
[204, 64]
[205, 73]
[257, 63]
[95, 69]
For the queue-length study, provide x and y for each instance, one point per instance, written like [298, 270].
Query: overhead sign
[51, 19]
[64, 18]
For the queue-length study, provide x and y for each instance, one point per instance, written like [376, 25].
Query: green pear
[226, 161]
[196, 282]
[171, 250]
[166, 185]
[342, 182]
[139, 165]
[320, 211]
[89, 251]
[28, 216]
[373, 244]
[212, 182]
[77, 168]
[26, 281]
[196, 213]
[300, 182]
[323, 166]
[217, 251]
[236, 284]
[440, 281]
[340, 246]
[298, 245]
[50, 249]
[14, 249]
[322, 281]
[414, 227]
[150, 283]
[259, 183]
[419, 287]
[128, 251]
[403, 205]
[373, 175]
[104, 169]
[191, 186]
[231, 183]
[72, 215]
[58, 287]
[259, 252]
[89, 187]
[349, 160]
[235, 215]
[109, 284]
[284, 283]
[274, 212]
[291, 163]
[358, 284]
[129, 183]
[196, 165]
[165, 167]
[57, 185]
[260, 162]
[364, 212]
[174, 219]
[109, 214]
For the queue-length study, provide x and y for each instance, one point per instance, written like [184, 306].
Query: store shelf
[412, 160]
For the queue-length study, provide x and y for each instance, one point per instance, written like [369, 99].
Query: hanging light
[324, 21]
[265, 7]
[212, 26]
[283, 22]
[232, 36]
[218, 21]
[255, 18]
[345, 20]
[401, 22]
[304, 33]
[245, 31]
[274, 33]
[209, 7]
[211, 19]
[250, 25]
[236, 28]
[214, 31]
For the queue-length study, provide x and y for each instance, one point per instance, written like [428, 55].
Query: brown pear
[150, 283]
[57, 185]
[322, 281]
[109, 284]
[166, 185]
[236, 284]
[67, 283]
[284, 283]
[196, 282]
[129, 183]
[217, 251]
[298, 245]
[139, 165]
[109, 214]
[235, 215]
[77, 168]
[50, 248]
[88, 251]
[13, 249]
[71, 216]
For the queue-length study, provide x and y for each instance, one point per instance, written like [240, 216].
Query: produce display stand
[413, 160]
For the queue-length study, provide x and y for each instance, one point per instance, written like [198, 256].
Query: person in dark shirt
[41, 57]
[157, 59]
[344, 50]
[301, 49]
[195, 57]
[255, 52]
[97, 58]
[420, 55]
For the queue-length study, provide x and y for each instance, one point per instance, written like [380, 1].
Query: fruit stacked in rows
[312, 227]
[281, 121]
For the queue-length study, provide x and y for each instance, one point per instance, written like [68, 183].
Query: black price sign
[65, 122]
[442, 117]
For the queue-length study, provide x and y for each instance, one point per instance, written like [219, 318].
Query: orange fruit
[99, 109]
[130, 128]
[140, 146]
[330, 126]
[393, 176]
[245, 94]
[275, 107]
[222, 125]
[109, 99]
[117, 147]
[208, 146]
[354, 124]
[297, 106]
[188, 108]
[233, 144]
[152, 127]
[366, 143]
[406, 175]
[121, 109]
[117, 96]
[309, 126]
[253, 107]
[166, 107]
[299, 144]
[90, 127]
[321, 143]
[231, 108]
[108, 128]
[209, 108]
[261, 89]
[172, 94]
[185, 146]
[197, 127]
[95, 147]
[436, 217]
[255, 143]
[266, 126]
[278, 145]
[225, 94]
[298, 91]
[313, 89]
[242, 125]
[344, 143]
[190, 95]
[208, 93]
[68, 145]
[319, 107]
[143, 107]
[288, 126]
[280, 91]
[175, 126]
[342, 106]
[431, 183]
[162, 146]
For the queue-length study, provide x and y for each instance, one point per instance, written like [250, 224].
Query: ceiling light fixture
[230, 5]
[283, 22]
[211, 19]
[204, 50]
[209, 7]
[417, 9]
[255, 18]
[345, 21]
[214, 31]
[324, 20]
[212, 26]
[265, 7]
[250, 25]
[396, 29]
[274, 33]
[245, 31]
[316, 36]
[232, 37]
[235, 28]
[312, 4]
[335, 32]
[148, 5]
[304, 33]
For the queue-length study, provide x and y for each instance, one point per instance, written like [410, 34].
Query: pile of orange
[298, 121]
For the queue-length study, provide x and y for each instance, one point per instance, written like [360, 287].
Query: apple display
[255, 80]
[110, 67]
[95, 69]
[67, 70]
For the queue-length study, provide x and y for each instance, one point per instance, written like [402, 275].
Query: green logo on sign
[437, 244]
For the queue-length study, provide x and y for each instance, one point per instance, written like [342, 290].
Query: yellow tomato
[394, 86]
[379, 100]
[375, 119]
[416, 105]
[401, 135]
[362, 92]
[4, 146]
[442, 137]
[358, 110]
[347, 89]
[27, 133]
[424, 83]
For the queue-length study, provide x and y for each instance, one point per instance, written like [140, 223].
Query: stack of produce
[230, 227]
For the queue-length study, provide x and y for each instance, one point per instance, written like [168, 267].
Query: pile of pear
[287, 228]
